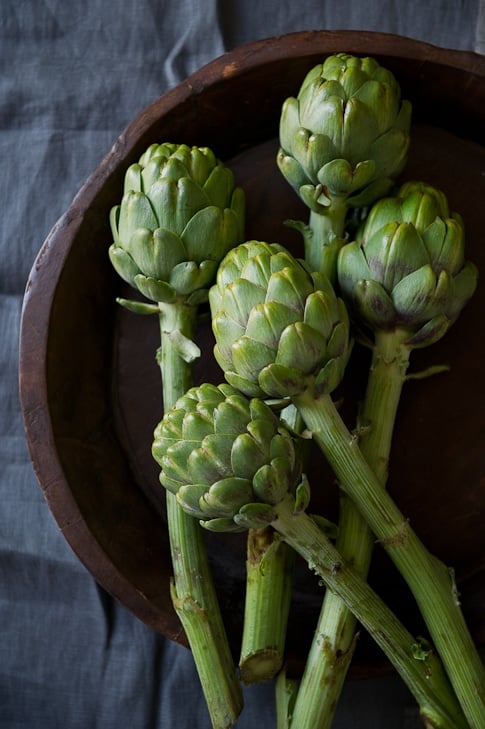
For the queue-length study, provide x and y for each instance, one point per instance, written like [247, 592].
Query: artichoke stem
[176, 373]
[269, 581]
[285, 694]
[193, 592]
[324, 237]
[428, 578]
[425, 678]
[329, 659]
[269, 576]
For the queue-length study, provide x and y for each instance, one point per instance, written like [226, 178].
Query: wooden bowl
[90, 389]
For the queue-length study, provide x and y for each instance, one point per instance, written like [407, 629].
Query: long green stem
[269, 577]
[429, 579]
[423, 674]
[331, 653]
[269, 580]
[323, 238]
[285, 693]
[193, 593]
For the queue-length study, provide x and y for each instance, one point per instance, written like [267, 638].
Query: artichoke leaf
[382, 100]
[373, 303]
[218, 185]
[223, 524]
[246, 456]
[329, 377]
[292, 170]
[464, 285]
[393, 252]
[228, 417]
[155, 252]
[338, 341]
[302, 495]
[244, 385]
[255, 516]
[237, 299]
[138, 307]
[197, 424]
[133, 179]
[202, 468]
[190, 497]
[360, 128]
[414, 294]
[190, 276]
[320, 312]
[279, 381]
[155, 290]
[249, 357]
[390, 152]
[226, 496]
[376, 189]
[289, 123]
[123, 264]
[290, 287]
[430, 332]
[272, 481]
[317, 198]
[323, 116]
[267, 321]
[210, 233]
[352, 266]
[261, 430]
[450, 255]
[301, 347]
[135, 212]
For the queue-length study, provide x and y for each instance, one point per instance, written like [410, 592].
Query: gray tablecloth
[73, 74]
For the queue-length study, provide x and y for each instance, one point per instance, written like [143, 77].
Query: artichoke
[179, 215]
[227, 459]
[277, 326]
[233, 466]
[407, 268]
[346, 134]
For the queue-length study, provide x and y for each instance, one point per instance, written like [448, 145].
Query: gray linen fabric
[73, 74]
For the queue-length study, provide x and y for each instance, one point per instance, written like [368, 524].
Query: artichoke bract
[346, 134]
[407, 268]
[227, 459]
[276, 325]
[180, 214]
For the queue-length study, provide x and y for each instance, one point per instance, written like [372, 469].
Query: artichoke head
[179, 215]
[346, 134]
[278, 328]
[227, 459]
[407, 268]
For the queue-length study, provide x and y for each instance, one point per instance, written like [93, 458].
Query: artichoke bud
[346, 131]
[227, 459]
[179, 215]
[276, 325]
[407, 268]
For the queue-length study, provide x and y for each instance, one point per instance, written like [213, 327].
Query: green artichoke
[277, 326]
[227, 459]
[179, 215]
[346, 134]
[407, 269]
